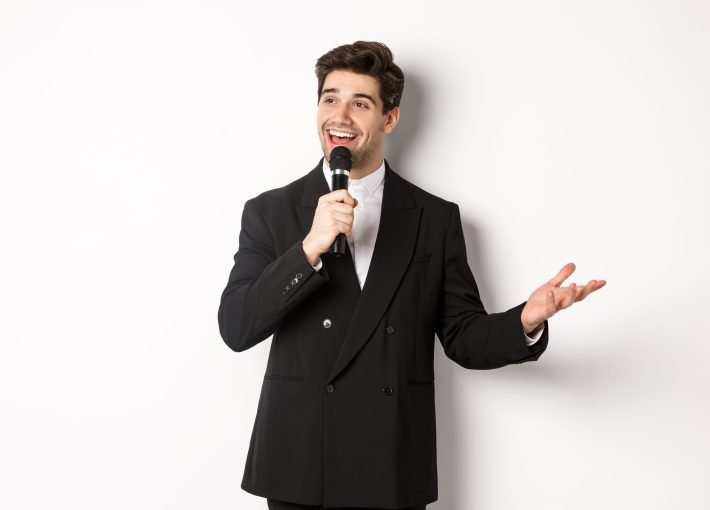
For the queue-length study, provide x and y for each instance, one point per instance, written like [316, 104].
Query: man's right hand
[334, 215]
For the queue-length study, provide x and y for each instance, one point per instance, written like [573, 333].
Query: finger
[341, 207]
[343, 218]
[333, 196]
[598, 284]
[339, 195]
[348, 199]
[563, 295]
[560, 277]
[343, 227]
[550, 304]
[572, 293]
[586, 290]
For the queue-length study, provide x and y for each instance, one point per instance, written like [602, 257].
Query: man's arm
[469, 335]
[262, 287]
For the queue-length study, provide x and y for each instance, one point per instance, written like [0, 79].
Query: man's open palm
[551, 297]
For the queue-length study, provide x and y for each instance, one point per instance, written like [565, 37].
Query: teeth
[341, 134]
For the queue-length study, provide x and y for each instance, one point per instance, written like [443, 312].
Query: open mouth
[338, 137]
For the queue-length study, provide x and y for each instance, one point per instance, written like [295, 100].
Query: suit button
[390, 330]
[387, 390]
[294, 281]
[299, 276]
[330, 388]
[327, 323]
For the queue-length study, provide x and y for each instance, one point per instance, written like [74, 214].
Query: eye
[328, 100]
[360, 104]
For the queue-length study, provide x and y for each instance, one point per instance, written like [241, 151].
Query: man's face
[350, 114]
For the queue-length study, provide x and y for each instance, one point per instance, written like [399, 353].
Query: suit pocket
[420, 257]
[283, 377]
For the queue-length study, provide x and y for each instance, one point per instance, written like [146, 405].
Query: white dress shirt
[368, 193]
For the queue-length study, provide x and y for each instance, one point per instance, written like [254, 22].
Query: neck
[359, 174]
[364, 170]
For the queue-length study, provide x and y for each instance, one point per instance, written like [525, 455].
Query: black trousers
[283, 505]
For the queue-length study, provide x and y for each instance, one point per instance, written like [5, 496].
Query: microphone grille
[341, 158]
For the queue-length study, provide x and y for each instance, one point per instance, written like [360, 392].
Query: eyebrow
[358, 94]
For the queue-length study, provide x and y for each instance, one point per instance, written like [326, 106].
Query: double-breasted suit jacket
[346, 411]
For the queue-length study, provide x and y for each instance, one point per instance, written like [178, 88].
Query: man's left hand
[551, 297]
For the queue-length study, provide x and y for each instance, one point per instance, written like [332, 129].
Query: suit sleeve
[469, 335]
[263, 286]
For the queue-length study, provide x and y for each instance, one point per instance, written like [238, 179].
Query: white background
[132, 133]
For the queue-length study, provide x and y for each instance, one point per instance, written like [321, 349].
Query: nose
[341, 115]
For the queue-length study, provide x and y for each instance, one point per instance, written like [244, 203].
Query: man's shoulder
[292, 191]
[424, 198]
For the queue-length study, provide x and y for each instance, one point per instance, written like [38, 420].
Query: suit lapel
[394, 246]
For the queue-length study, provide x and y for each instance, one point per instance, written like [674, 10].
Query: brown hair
[370, 58]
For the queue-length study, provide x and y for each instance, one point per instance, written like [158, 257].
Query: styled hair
[365, 57]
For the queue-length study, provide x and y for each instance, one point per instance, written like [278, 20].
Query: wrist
[528, 330]
[312, 255]
[528, 327]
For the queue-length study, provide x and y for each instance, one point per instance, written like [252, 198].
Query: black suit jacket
[346, 411]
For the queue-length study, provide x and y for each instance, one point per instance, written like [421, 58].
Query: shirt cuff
[535, 335]
[319, 265]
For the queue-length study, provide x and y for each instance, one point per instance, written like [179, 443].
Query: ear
[391, 119]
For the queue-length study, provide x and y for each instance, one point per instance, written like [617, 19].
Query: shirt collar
[371, 181]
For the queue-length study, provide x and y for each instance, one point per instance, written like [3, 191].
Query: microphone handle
[339, 245]
[339, 181]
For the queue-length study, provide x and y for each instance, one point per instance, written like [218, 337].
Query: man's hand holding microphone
[335, 211]
[334, 215]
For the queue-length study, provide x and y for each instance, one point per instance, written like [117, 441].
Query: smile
[340, 137]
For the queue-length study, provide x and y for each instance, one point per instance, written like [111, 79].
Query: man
[346, 413]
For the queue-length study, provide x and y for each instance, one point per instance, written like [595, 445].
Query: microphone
[341, 161]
